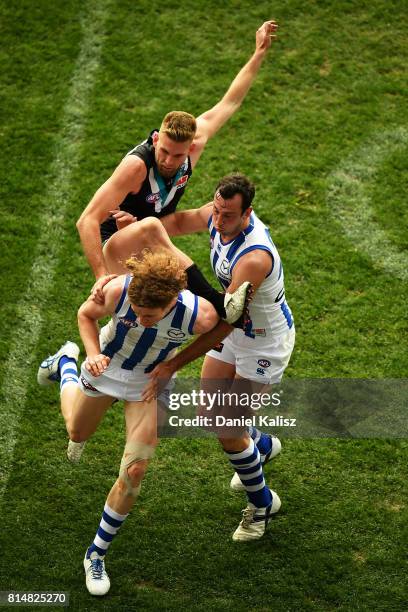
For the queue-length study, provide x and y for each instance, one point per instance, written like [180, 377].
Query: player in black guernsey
[157, 196]
[151, 179]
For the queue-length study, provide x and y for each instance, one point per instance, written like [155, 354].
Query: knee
[113, 247]
[136, 471]
[150, 228]
[143, 233]
[133, 467]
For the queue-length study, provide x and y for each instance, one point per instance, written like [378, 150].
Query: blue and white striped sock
[110, 524]
[263, 441]
[248, 466]
[68, 371]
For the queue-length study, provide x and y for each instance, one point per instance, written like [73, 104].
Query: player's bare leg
[81, 413]
[141, 440]
[131, 240]
[141, 429]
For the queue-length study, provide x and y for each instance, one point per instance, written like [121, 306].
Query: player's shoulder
[132, 163]
[200, 137]
[257, 222]
[144, 150]
[256, 258]
[131, 168]
[130, 173]
[187, 298]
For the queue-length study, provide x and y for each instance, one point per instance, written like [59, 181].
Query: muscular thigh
[131, 240]
[245, 385]
[216, 378]
[216, 369]
[141, 422]
[88, 411]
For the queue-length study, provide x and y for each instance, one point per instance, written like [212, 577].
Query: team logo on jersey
[153, 197]
[224, 267]
[260, 371]
[127, 322]
[264, 363]
[182, 181]
[175, 334]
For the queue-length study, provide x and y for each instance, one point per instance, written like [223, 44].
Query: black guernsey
[157, 196]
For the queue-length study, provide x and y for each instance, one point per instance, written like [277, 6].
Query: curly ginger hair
[157, 279]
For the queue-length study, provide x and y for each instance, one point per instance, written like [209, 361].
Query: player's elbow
[83, 318]
[82, 223]
[211, 319]
[88, 219]
[81, 314]
[79, 225]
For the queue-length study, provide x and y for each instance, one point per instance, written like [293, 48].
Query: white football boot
[255, 520]
[97, 580]
[235, 303]
[74, 451]
[48, 370]
[236, 484]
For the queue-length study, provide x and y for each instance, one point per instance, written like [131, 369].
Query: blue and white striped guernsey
[268, 311]
[129, 344]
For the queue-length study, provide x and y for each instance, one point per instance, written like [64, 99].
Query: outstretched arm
[188, 221]
[212, 120]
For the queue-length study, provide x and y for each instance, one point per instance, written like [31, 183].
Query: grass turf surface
[332, 83]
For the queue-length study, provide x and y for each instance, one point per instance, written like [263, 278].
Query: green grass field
[323, 133]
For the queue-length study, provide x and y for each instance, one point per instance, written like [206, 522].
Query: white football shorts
[261, 359]
[119, 383]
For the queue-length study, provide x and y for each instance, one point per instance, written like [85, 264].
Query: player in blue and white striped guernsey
[152, 315]
[247, 359]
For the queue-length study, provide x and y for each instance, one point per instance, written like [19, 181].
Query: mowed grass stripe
[351, 205]
[29, 318]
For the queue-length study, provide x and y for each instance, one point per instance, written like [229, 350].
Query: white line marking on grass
[28, 317]
[350, 203]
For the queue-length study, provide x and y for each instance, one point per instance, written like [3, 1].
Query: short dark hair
[232, 184]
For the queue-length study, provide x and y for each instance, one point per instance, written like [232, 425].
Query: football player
[151, 315]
